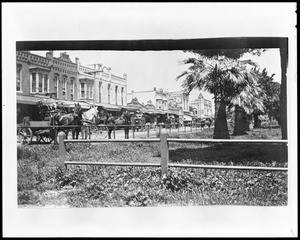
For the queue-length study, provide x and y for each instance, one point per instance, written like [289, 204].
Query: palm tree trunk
[239, 121]
[247, 122]
[257, 122]
[221, 128]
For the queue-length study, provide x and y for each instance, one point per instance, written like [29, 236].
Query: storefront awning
[110, 107]
[31, 100]
[84, 105]
[187, 118]
[131, 108]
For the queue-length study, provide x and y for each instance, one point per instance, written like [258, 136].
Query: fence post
[62, 147]
[148, 129]
[114, 132]
[164, 150]
[55, 136]
[89, 129]
[132, 131]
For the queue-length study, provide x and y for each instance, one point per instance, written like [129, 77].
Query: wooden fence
[164, 150]
[171, 128]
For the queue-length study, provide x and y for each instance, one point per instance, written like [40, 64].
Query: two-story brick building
[39, 78]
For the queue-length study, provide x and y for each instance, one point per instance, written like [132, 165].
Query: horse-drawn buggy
[53, 119]
[41, 131]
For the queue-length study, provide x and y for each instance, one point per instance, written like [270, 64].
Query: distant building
[201, 107]
[167, 103]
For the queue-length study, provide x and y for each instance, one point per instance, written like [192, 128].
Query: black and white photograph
[149, 120]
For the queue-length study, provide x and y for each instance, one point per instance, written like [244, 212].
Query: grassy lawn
[43, 181]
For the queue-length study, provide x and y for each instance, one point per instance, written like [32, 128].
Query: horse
[125, 119]
[77, 121]
[63, 120]
[87, 119]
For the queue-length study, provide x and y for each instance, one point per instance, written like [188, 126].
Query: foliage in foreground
[42, 180]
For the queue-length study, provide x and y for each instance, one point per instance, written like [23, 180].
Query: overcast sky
[148, 69]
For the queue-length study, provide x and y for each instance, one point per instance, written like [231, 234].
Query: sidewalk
[120, 134]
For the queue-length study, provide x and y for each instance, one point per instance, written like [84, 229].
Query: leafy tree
[242, 120]
[228, 53]
[224, 77]
[270, 99]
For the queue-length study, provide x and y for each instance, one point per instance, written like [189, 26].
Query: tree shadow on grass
[228, 154]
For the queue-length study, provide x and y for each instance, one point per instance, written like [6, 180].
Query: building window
[108, 93]
[122, 95]
[64, 87]
[40, 80]
[33, 82]
[88, 91]
[100, 91]
[46, 85]
[91, 92]
[55, 81]
[116, 95]
[72, 89]
[19, 78]
[82, 90]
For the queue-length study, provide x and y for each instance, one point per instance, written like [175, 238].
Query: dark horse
[77, 121]
[64, 120]
[125, 120]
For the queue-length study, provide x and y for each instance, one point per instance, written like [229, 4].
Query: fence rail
[95, 130]
[164, 150]
[111, 140]
[186, 140]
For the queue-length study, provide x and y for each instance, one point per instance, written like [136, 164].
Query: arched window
[91, 91]
[116, 94]
[46, 83]
[82, 90]
[64, 87]
[55, 84]
[108, 93]
[122, 95]
[40, 82]
[33, 82]
[88, 91]
[72, 88]
[100, 91]
[19, 78]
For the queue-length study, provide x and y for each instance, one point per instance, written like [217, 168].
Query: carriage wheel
[25, 135]
[95, 131]
[47, 138]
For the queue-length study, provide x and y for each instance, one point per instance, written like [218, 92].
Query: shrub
[28, 197]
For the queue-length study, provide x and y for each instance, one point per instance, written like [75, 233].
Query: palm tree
[250, 100]
[224, 77]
